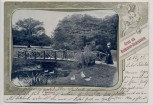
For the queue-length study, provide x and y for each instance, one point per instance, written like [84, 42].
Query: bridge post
[35, 54]
[44, 54]
[18, 55]
[55, 55]
[25, 54]
[65, 54]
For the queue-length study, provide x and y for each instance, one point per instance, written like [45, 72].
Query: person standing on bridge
[109, 59]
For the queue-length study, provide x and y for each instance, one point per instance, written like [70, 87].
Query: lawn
[101, 75]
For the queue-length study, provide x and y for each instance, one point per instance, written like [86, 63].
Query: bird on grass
[87, 78]
[73, 77]
[82, 75]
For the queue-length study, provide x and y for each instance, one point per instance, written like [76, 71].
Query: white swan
[82, 75]
[73, 77]
[87, 78]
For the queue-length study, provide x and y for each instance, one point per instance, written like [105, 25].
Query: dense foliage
[76, 31]
[30, 32]
[73, 33]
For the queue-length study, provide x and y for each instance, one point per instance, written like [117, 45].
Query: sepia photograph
[65, 47]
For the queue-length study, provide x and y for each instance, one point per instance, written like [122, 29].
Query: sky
[51, 18]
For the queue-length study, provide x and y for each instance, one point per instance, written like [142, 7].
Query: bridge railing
[35, 53]
[43, 54]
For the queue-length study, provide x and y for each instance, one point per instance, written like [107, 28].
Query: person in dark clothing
[28, 46]
[109, 59]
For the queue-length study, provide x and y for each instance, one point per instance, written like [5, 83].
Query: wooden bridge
[46, 55]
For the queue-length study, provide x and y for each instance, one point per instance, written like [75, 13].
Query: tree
[30, 32]
[30, 26]
[76, 31]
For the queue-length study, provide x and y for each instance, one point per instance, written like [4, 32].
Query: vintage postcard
[76, 51]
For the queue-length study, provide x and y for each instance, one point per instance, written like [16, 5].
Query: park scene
[64, 48]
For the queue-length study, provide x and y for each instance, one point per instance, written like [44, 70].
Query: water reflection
[38, 75]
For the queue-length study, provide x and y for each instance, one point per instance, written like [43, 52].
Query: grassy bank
[101, 75]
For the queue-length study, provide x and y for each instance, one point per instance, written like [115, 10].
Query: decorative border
[9, 7]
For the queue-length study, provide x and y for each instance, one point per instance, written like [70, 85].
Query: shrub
[88, 58]
[85, 59]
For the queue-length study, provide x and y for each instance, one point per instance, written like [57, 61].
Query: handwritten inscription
[135, 82]
[137, 60]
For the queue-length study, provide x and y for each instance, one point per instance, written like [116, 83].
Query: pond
[38, 74]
